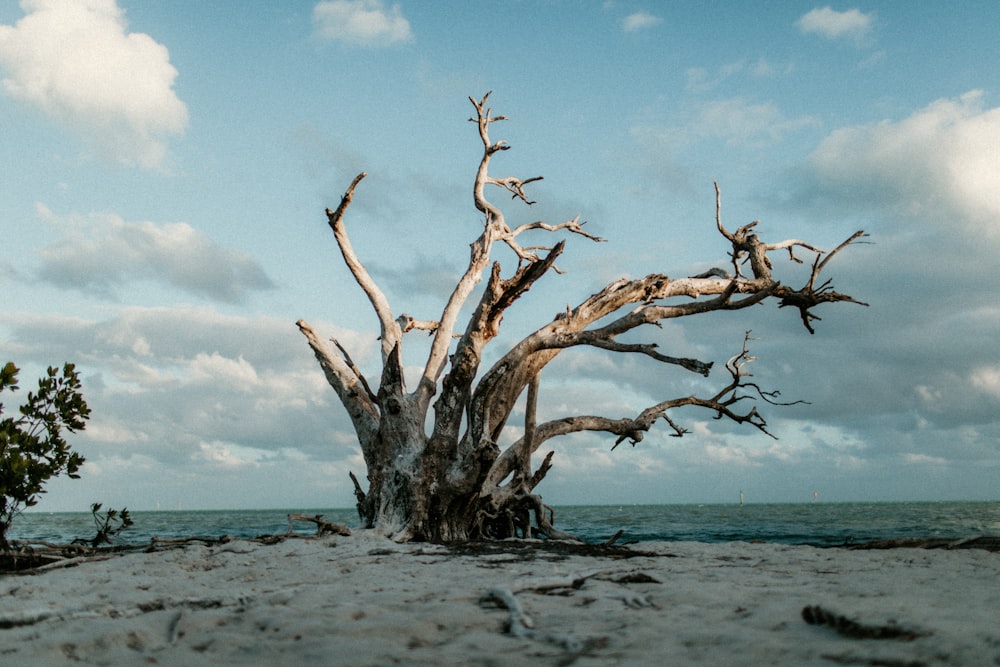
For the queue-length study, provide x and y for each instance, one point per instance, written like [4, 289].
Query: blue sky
[167, 164]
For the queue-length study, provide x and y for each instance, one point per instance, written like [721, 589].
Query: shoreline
[828, 524]
[364, 600]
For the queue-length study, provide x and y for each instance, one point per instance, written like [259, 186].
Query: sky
[167, 163]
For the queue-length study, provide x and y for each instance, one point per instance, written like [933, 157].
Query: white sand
[363, 600]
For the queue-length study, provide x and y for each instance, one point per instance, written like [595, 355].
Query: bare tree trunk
[455, 483]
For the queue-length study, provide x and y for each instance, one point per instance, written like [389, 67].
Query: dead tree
[454, 482]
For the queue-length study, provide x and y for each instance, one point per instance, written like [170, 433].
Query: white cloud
[102, 253]
[237, 374]
[730, 456]
[640, 21]
[702, 80]
[940, 163]
[76, 61]
[925, 186]
[987, 380]
[735, 121]
[832, 24]
[923, 459]
[361, 22]
[249, 383]
[229, 455]
[739, 121]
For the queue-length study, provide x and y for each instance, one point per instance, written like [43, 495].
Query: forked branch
[749, 248]
[810, 295]
[633, 429]
[389, 329]
[512, 184]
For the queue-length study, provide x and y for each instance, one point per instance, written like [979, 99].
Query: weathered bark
[455, 483]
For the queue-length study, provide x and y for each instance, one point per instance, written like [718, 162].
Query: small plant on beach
[109, 525]
[465, 472]
[32, 446]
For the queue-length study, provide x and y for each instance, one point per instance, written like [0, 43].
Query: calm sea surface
[818, 523]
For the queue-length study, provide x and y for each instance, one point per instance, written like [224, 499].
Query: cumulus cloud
[76, 61]
[831, 24]
[361, 22]
[186, 393]
[940, 163]
[921, 359]
[170, 340]
[198, 377]
[102, 253]
[916, 365]
[238, 374]
[640, 21]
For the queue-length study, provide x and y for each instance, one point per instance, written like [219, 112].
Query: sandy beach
[364, 600]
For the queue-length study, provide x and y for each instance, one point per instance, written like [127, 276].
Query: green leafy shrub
[109, 525]
[32, 447]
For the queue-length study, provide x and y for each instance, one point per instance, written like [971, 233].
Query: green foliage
[32, 447]
[109, 524]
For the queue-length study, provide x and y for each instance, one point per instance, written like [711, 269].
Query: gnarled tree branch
[389, 329]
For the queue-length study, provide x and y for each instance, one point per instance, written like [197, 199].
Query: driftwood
[322, 527]
[33, 617]
[520, 624]
[39, 557]
[985, 542]
[816, 615]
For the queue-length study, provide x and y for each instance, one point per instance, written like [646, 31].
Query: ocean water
[819, 523]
